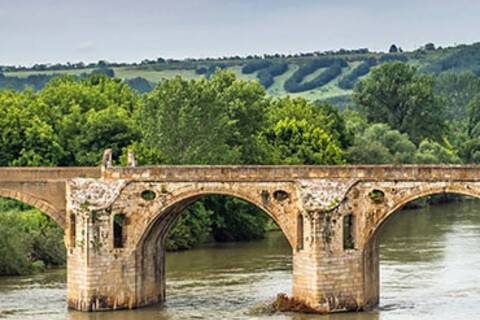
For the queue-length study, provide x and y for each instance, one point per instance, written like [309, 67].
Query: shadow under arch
[150, 249]
[371, 254]
[34, 201]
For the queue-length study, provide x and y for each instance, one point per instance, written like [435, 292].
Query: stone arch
[423, 190]
[396, 197]
[183, 200]
[57, 215]
[150, 255]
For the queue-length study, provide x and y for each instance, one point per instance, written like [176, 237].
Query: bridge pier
[329, 278]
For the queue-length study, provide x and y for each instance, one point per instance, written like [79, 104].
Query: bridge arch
[57, 215]
[392, 206]
[411, 194]
[150, 248]
[175, 206]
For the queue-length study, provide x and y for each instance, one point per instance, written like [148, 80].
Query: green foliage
[396, 94]
[379, 144]
[296, 82]
[204, 121]
[457, 90]
[236, 220]
[140, 84]
[348, 82]
[88, 117]
[34, 82]
[26, 139]
[267, 75]
[470, 151]
[393, 57]
[473, 113]
[429, 59]
[376, 196]
[192, 228]
[29, 241]
[462, 58]
[298, 134]
[254, 66]
[433, 152]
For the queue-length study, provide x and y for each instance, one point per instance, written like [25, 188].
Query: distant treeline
[160, 60]
[37, 82]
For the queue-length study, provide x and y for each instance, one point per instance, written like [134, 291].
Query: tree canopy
[398, 95]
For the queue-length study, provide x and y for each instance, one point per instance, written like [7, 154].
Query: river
[430, 269]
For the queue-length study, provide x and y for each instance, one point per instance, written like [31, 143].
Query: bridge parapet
[34, 174]
[289, 173]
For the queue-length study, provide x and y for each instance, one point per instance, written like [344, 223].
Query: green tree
[29, 241]
[470, 150]
[432, 152]
[89, 116]
[396, 94]
[185, 120]
[204, 121]
[457, 89]
[300, 133]
[473, 112]
[25, 138]
[380, 144]
[193, 227]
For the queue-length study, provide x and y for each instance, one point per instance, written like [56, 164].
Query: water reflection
[429, 270]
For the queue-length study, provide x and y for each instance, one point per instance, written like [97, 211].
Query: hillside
[314, 76]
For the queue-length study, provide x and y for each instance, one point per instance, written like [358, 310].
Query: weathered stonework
[330, 216]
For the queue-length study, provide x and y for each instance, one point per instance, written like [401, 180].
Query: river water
[430, 269]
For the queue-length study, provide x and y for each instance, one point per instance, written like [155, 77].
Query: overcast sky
[49, 31]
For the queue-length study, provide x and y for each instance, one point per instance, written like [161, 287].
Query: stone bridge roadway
[116, 221]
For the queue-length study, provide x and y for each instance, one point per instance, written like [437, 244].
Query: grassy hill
[314, 76]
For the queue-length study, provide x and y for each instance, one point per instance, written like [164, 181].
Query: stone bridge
[116, 220]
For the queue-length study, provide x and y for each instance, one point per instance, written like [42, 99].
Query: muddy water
[430, 269]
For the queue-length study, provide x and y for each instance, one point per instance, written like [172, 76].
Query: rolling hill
[314, 76]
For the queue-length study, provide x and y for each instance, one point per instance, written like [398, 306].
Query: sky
[59, 31]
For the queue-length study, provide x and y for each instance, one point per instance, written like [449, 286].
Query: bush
[104, 71]
[36, 82]
[192, 228]
[348, 82]
[464, 58]
[266, 76]
[140, 84]
[29, 242]
[235, 219]
[334, 69]
[201, 70]
[254, 66]
[393, 57]
[213, 68]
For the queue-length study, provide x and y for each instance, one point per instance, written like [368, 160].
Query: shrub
[334, 69]
[393, 57]
[201, 70]
[266, 76]
[29, 241]
[348, 82]
[254, 66]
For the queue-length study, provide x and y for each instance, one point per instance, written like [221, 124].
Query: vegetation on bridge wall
[398, 115]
